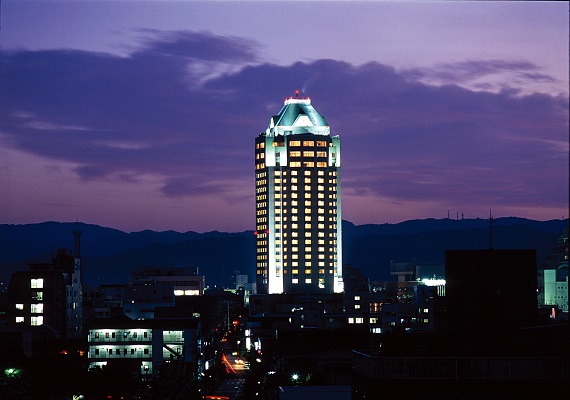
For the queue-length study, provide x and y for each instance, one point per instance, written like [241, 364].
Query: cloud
[198, 46]
[487, 75]
[404, 139]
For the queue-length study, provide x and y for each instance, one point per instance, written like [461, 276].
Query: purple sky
[142, 115]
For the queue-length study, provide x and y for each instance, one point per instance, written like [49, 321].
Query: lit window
[356, 298]
[295, 164]
[308, 143]
[359, 320]
[294, 143]
[351, 320]
[308, 280]
[37, 283]
[19, 306]
[294, 280]
[308, 154]
[19, 319]
[37, 308]
[357, 306]
[37, 321]
[294, 154]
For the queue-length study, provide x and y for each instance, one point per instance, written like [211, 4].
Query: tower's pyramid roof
[297, 116]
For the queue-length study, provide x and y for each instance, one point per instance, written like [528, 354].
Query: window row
[308, 143]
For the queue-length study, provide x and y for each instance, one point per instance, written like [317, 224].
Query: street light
[295, 378]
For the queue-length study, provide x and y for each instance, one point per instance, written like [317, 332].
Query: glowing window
[295, 164]
[308, 280]
[321, 143]
[37, 321]
[294, 154]
[294, 143]
[37, 283]
[308, 164]
[19, 306]
[321, 164]
[308, 154]
[308, 143]
[19, 319]
[37, 308]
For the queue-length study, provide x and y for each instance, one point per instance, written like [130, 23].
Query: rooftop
[297, 116]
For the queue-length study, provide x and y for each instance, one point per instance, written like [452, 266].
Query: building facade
[49, 295]
[149, 343]
[298, 203]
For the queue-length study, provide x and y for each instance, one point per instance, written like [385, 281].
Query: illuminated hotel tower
[298, 203]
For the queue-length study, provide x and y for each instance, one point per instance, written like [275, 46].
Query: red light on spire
[297, 94]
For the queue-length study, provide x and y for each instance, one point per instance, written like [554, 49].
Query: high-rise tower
[298, 203]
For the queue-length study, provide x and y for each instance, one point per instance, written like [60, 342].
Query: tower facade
[298, 203]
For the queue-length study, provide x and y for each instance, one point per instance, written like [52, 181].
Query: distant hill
[109, 255]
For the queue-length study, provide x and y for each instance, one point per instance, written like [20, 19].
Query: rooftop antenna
[77, 242]
[297, 94]
[52, 239]
[490, 230]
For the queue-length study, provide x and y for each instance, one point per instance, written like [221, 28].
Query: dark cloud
[198, 45]
[118, 118]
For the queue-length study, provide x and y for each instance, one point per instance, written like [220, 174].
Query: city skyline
[142, 115]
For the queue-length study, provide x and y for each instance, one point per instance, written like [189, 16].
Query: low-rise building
[150, 342]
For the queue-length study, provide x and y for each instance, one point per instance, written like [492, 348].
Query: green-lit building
[298, 203]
